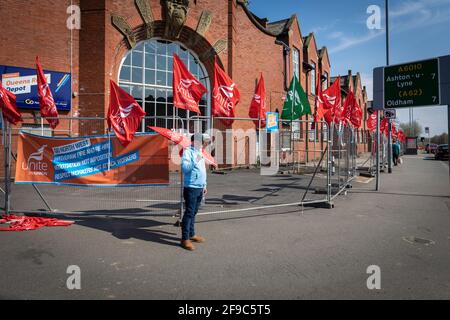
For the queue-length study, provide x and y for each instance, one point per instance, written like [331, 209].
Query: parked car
[431, 148]
[441, 152]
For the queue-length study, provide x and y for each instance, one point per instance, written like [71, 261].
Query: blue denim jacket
[194, 173]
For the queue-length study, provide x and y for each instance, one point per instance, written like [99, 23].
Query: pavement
[284, 253]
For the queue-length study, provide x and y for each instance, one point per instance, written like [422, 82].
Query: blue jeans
[192, 200]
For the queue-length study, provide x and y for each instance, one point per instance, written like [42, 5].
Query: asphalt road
[268, 254]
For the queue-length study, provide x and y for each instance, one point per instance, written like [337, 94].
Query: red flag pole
[7, 133]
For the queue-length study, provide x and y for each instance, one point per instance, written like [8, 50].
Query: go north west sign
[414, 84]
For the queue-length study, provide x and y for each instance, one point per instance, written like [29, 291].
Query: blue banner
[23, 83]
[271, 122]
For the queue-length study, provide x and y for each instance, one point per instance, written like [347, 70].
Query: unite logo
[186, 83]
[184, 88]
[122, 114]
[257, 98]
[34, 163]
[48, 98]
[330, 99]
[223, 96]
[125, 112]
[228, 91]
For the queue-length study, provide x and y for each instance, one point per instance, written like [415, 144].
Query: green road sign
[411, 85]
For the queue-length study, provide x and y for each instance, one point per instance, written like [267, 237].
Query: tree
[440, 139]
[412, 130]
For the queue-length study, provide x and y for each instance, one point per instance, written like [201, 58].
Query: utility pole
[448, 136]
[387, 63]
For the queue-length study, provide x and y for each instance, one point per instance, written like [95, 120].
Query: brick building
[132, 42]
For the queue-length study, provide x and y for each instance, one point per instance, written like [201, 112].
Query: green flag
[297, 103]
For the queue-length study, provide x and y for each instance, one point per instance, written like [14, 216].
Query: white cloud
[323, 28]
[335, 35]
[346, 42]
[404, 17]
[410, 7]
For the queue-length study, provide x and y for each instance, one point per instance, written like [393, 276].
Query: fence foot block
[219, 172]
[321, 205]
[177, 224]
[367, 174]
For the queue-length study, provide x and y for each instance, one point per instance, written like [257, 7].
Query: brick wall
[39, 28]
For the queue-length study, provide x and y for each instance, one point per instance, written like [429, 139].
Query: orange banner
[98, 161]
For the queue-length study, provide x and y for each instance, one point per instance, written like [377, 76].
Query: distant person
[194, 178]
[396, 151]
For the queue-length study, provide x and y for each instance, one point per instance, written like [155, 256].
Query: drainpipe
[286, 51]
[308, 68]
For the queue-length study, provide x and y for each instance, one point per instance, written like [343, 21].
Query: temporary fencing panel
[257, 170]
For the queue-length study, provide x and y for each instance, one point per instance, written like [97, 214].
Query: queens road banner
[23, 83]
[97, 161]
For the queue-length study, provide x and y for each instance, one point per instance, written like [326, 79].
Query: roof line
[253, 19]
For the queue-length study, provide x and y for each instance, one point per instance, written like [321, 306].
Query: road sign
[413, 84]
[427, 130]
[390, 114]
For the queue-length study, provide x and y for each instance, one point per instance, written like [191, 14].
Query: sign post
[413, 84]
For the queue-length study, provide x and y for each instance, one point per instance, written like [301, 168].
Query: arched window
[147, 72]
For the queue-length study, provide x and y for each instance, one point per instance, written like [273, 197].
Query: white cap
[205, 137]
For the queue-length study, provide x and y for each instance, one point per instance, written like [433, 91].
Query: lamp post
[387, 63]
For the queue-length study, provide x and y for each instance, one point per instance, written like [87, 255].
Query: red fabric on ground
[24, 223]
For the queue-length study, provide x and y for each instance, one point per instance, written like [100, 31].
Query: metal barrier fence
[312, 167]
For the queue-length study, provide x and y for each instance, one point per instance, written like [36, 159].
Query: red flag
[209, 158]
[372, 122]
[347, 107]
[394, 131]
[124, 114]
[225, 95]
[319, 111]
[352, 112]
[401, 136]
[258, 104]
[384, 126]
[46, 102]
[331, 98]
[173, 136]
[187, 90]
[9, 108]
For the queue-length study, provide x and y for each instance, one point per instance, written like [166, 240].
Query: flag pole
[109, 150]
[292, 118]
[259, 136]
[389, 151]
[7, 158]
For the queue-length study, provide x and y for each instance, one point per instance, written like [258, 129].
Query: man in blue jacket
[194, 178]
[395, 151]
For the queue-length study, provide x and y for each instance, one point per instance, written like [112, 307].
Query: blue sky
[420, 29]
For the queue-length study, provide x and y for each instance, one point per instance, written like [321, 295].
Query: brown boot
[198, 239]
[187, 244]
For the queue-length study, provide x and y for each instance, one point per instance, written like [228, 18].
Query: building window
[313, 133]
[285, 138]
[296, 62]
[147, 72]
[297, 130]
[313, 79]
[325, 83]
